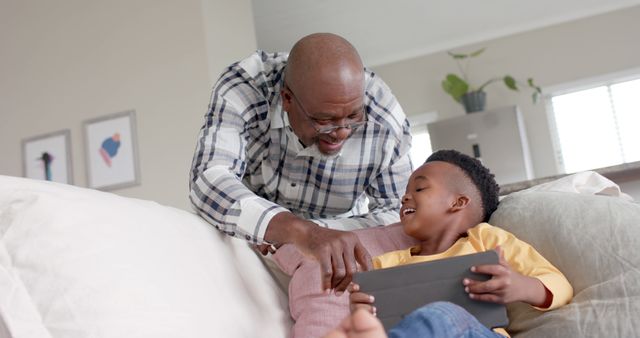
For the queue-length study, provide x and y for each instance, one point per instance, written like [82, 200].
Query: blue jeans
[441, 319]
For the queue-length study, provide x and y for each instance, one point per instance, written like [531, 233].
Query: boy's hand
[506, 286]
[360, 300]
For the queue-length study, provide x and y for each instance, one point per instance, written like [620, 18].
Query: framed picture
[112, 151]
[48, 157]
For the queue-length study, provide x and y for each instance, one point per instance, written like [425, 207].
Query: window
[421, 142]
[598, 126]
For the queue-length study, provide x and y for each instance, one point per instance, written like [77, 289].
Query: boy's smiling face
[429, 199]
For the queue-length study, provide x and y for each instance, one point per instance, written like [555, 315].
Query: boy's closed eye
[422, 187]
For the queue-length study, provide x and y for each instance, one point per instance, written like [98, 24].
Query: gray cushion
[595, 242]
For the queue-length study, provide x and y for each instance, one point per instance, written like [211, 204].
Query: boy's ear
[461, 202]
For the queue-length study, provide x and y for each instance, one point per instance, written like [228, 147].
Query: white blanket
[81, 263]
[586, 182]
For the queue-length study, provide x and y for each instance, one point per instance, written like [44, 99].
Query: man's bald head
[324, 60]
[324, 87]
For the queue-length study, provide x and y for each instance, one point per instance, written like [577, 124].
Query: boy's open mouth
[408, 211]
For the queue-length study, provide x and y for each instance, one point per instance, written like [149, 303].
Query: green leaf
[458, 56]
[530, 82]
[478, 52]
[533, 86]
[455, 86]
[510, 82]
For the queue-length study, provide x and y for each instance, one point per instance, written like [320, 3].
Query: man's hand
[337, 252]
[360, 300]
[506, 286]
[265, 249]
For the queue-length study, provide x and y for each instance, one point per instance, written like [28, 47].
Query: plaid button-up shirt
[249, 165]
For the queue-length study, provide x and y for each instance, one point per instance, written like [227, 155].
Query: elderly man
[300, 149]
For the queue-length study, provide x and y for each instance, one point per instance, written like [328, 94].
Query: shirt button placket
[293, 192]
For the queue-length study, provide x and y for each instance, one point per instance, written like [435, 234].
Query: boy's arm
[507, 286]
[525, 260]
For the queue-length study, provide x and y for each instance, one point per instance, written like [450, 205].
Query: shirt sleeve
[216, 190]
[527, 261]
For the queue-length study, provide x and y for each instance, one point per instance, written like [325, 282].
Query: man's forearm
[223, 200]
[286, 227]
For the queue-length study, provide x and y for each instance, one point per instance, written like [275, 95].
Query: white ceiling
[386, 31]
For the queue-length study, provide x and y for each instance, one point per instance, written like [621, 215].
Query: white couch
[76, 262]
[82, 263]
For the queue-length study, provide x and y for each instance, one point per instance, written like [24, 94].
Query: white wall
[554, 55]
[63, 62]
[229, 31]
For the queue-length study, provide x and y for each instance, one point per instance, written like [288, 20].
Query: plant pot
[474, 101]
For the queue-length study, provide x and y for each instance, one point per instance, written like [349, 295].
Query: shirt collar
[280, 118]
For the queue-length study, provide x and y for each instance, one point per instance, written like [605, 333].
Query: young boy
[445, 204]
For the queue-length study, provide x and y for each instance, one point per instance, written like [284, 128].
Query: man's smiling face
[327, 120]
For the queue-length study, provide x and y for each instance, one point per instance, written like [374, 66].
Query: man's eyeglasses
[325, 130]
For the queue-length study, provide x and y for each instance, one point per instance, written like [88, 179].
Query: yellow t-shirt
[521, 257]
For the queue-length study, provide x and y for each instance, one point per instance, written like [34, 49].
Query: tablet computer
[402, 289]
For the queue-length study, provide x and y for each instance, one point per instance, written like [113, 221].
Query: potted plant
[474, 98]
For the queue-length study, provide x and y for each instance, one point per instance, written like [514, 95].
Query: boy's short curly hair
[480, 175]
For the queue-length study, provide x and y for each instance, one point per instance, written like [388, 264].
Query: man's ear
[461, 202]
[286, 99]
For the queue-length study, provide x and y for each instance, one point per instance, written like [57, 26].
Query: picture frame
[111, 150]
[48, 157]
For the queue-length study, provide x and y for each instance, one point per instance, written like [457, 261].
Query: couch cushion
[82, 263]
[594, 241]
